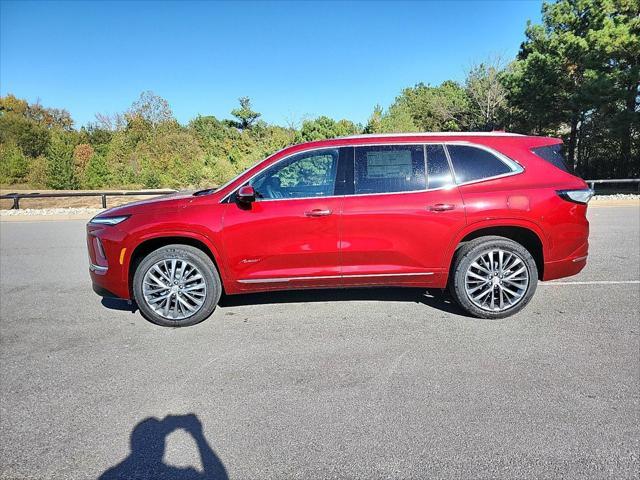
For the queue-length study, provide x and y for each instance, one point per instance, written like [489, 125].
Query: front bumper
[108, 275]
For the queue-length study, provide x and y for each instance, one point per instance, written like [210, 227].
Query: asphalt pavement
[369, 383]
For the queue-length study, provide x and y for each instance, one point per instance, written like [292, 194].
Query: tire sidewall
[204, 265]
[466, 257]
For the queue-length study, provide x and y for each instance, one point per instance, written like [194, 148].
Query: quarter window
[438, 171]
[306, 175]
[471, 163]
[390, 168]
[552, 154]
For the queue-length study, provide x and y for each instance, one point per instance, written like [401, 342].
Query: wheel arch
[149, 244]
[527, 234]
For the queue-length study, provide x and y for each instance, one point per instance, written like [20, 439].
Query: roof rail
[436, 134]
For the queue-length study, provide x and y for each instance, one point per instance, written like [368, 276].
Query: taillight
[577, 196]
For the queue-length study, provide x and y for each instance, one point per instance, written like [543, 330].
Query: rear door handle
[317, 212]
[441, 207]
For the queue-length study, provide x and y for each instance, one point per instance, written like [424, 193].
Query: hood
[174, 201]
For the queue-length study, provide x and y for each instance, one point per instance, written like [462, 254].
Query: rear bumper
[568, 266]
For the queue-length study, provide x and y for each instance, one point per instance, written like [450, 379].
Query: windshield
[553, 154]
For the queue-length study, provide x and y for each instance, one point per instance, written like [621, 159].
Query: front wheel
[493, 277]
[176, 286]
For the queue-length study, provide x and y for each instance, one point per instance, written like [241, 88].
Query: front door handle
[318, 212]
[441, 207]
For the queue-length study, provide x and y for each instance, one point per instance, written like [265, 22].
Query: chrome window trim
[514, 165]
[98, 269]
[327, 277]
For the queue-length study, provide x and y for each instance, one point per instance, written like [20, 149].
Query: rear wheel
[176, 286]
[493, 277]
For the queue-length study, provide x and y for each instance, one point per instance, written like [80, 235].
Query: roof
[436, 134]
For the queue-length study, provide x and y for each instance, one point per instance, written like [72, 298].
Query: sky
[295, 60]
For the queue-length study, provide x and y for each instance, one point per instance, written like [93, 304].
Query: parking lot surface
[375, 383]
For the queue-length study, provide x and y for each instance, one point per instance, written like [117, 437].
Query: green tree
[151, 108]
[96, 173]
[13, 164]
[60, 171]
[32, 138]
[583, 61]
[323, 127]
[434, 109]
[487, 96]
[246, 117]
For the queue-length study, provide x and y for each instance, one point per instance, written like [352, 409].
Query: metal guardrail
[17, 196]
[592, 183]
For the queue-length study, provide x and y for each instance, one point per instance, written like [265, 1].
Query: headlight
[577, 196]
[108, 220]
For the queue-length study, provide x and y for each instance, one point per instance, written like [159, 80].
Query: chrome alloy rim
[175, 289]
[496, 280]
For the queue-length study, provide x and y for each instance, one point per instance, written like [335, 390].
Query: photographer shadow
[148, 442]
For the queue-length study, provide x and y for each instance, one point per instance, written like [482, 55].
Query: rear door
[396, 223]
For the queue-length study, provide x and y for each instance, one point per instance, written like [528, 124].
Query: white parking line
[595, 282]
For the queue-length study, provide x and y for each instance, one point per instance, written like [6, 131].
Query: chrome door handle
[441, 207]
[317, 212]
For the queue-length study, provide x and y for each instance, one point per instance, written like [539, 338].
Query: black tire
[205, 266]
[466, 255]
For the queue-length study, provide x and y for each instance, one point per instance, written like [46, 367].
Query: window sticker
[389, 164]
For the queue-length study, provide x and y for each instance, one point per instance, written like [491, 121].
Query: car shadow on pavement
[148, 442]
[437, 299]
[119, 304]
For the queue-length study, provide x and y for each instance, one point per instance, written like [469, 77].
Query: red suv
[487, 215]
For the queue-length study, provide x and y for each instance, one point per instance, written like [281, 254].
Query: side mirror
[246, 194]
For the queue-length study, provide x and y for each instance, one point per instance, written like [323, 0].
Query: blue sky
[294, 60]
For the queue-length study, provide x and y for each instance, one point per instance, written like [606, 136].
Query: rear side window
[471, 163]
[438, 171]
[552, 154]
[391, 168]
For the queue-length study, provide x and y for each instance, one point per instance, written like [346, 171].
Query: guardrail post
[16, 203]
[104, 201]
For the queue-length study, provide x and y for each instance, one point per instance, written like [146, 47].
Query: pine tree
[60, 171]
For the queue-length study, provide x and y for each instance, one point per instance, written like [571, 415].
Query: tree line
[576, 76]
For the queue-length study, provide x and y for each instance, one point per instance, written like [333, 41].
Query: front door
[288, 237]
[401, 216]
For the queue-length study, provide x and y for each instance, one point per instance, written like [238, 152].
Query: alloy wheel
[174, 288]
[496, 280]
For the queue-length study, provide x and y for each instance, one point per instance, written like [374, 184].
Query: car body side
[524, 204]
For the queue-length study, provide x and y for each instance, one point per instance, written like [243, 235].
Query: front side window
[305, 175]
[472, 163]
[389, 168]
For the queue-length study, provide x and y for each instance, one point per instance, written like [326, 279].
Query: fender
[498, 222]
[176, 233]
